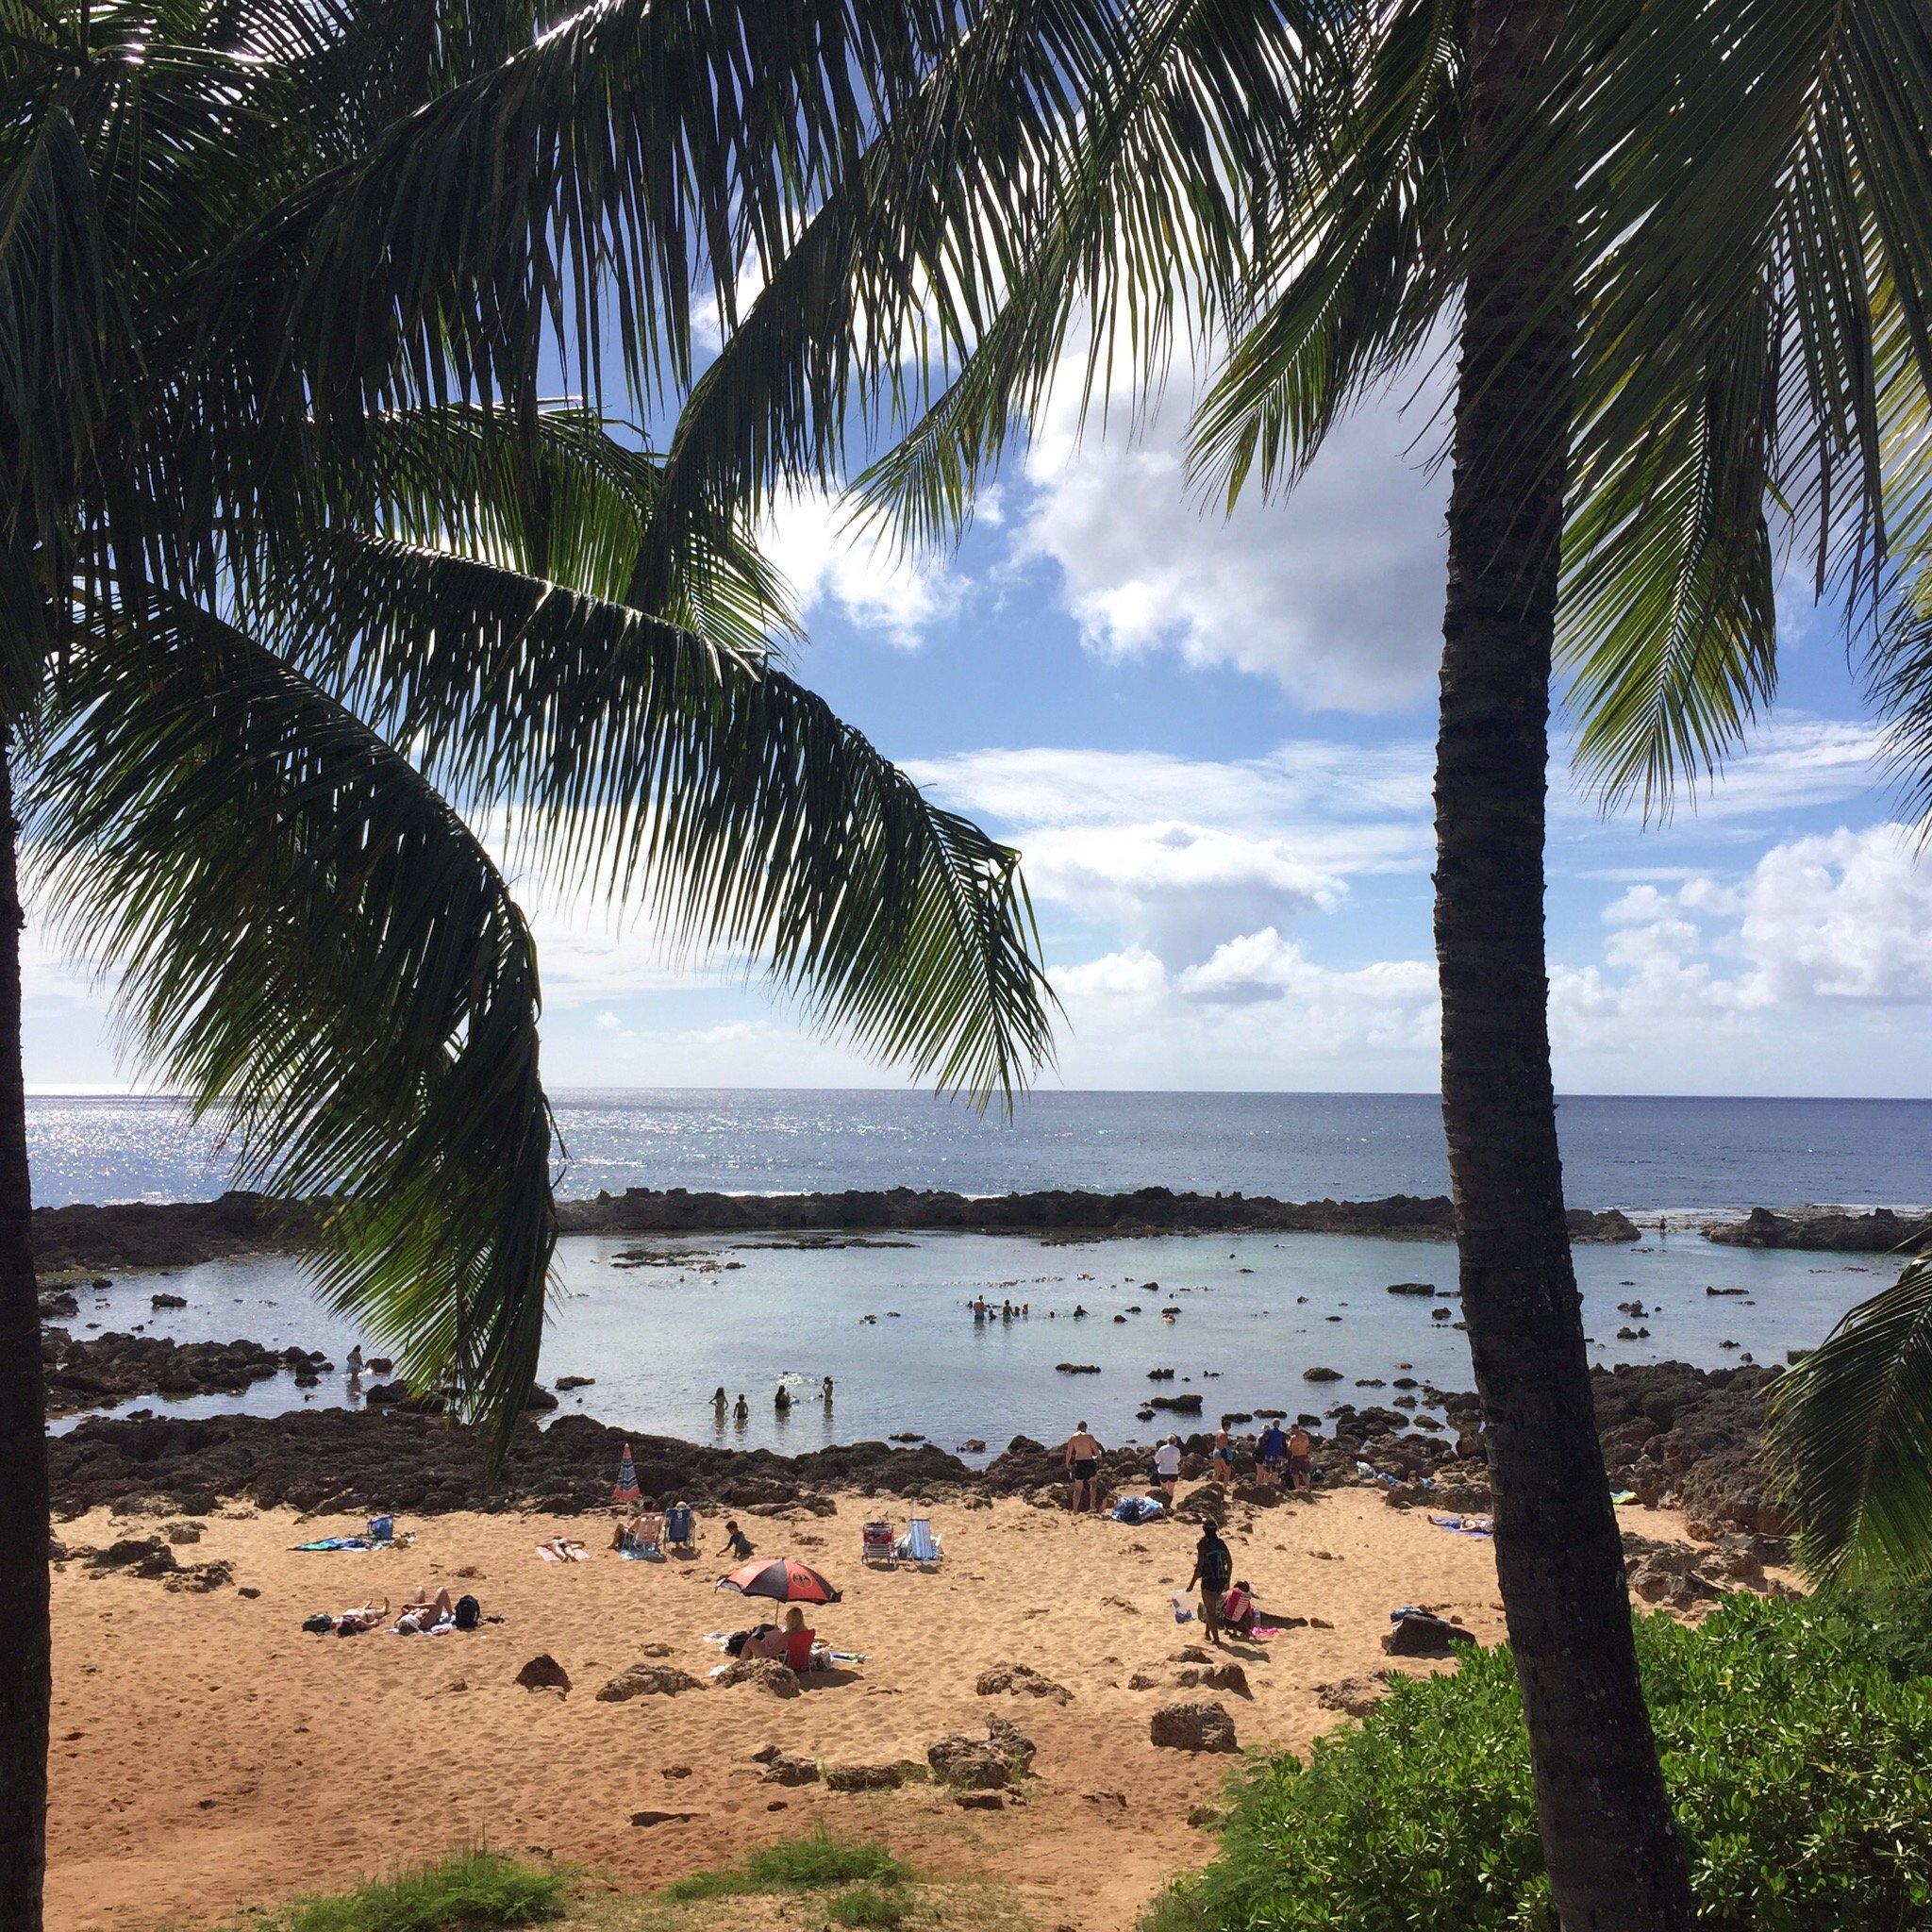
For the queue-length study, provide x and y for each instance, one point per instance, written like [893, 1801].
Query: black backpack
[1217, 1565]
[468, 1613]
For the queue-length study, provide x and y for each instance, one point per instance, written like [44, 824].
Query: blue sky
[1211, 737]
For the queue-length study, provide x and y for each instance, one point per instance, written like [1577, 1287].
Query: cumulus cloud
[834, 563]
[1335, 592]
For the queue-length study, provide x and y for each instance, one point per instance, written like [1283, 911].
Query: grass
[816, 1862]
[471, 1891]
[869, 1906]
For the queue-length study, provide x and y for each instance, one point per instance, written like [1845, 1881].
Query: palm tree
[302, 573]
[1686, 251]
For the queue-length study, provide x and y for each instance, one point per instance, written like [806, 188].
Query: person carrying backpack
[1213, 1571]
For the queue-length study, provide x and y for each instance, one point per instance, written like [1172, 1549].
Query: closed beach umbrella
[784, 1578]
[625, 1488]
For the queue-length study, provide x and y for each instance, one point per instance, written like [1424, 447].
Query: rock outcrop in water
[1832, 1230]
[88, 1239]
[105, 1368]
[1067, 1212]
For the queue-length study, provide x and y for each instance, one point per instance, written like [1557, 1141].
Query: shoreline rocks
[1674, 1434]
[1827, 1230]
[84, 1239]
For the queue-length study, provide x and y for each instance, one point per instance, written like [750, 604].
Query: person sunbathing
[424, 1612]
[365, 1617]
[563, 1549]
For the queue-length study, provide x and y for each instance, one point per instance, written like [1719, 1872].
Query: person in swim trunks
[1270, 1453]
[1083, 1470]
[1301, 1460]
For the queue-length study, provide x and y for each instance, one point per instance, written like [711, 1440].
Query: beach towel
[647, 1553]
[1137, 1510]
[335, 1543]
[625, 1490]
[1623, 1495]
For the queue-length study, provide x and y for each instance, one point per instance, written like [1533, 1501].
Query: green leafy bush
[1796, 1740]
[472, 1892]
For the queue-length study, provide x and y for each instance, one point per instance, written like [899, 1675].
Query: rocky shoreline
[1829, 1230]
[84, 1240]
[1675, 1435]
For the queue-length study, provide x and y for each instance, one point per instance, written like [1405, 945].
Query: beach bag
[319, 1624]
[468, 1613]
[381, 1528]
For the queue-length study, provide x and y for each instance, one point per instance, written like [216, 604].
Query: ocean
[1637, 1154]
[891, 1322]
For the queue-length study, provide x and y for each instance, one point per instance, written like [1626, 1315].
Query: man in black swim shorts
[1083, 1470]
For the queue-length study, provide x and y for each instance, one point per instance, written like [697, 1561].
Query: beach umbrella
[625, 1488]
[784, 1578]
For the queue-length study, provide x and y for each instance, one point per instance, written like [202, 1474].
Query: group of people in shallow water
[983, 1310]
[740, 1411]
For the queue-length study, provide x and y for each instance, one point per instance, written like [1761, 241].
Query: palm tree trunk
[25, 1664]
[1610, 1845]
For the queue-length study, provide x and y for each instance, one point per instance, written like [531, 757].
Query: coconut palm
[304, 579]
[1685, 251]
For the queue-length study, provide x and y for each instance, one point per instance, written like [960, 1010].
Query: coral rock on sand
[788, 1769]
[981, 1764]
[1199, 1726]
[1669, 1576]
[647, 1680]
[543, 1673]
[1357, 1697]
[1425, 1635]
[1022, 1680]
[767, 1673]
[1229, 1677]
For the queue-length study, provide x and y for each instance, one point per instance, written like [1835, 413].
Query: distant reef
[88, 1241]
[1836, 1230]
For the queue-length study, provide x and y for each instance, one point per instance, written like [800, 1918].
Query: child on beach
[736, 1543]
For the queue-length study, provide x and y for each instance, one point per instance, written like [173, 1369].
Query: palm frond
[313, 945]
[1853, 1424]
[733, 804]
[1668, 612]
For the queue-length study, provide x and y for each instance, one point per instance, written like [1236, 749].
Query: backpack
[1217, 1566]
[468, 1613]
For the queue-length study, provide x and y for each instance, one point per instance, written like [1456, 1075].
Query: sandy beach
[209, 1755]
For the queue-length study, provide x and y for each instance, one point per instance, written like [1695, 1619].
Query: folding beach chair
[919, 1544]
[680, 1527]
[877, 1547]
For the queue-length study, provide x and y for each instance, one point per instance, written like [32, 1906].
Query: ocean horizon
[1660, 1153]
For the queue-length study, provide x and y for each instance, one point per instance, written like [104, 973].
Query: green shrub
[470, 1892]
[811, 1863]
[881, 1905]
[1796, 1740]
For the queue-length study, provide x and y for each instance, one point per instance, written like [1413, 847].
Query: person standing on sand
[1301, 1460]
[1083, 1469]
[1167, 1468]
[1271, 1451]
[1213, 1571]
[1222, 1456]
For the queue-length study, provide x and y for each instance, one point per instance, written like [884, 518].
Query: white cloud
[1335, 592]
[830, 562]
